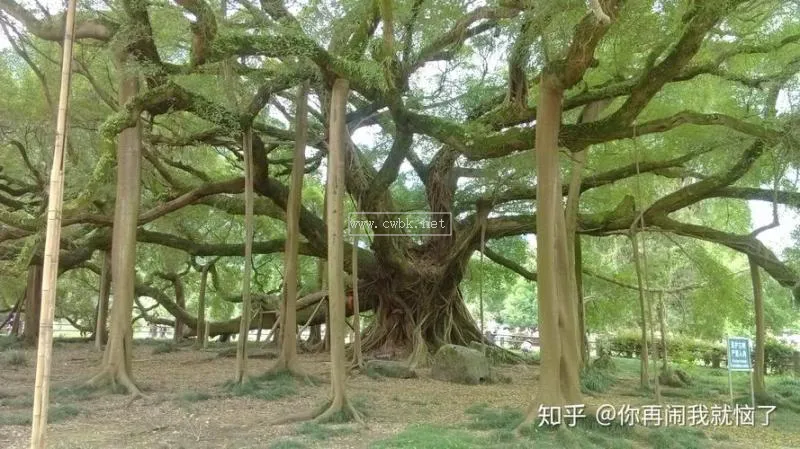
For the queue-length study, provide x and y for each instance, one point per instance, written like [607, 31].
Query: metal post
[752, 390]
[730, 385]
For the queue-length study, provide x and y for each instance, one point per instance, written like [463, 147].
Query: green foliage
[777, 357]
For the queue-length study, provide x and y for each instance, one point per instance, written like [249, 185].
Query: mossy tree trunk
[644, 355]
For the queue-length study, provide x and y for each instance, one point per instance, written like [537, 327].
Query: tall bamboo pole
[52, 244]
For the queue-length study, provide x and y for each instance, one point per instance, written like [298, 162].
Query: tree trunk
[589, 114]
[662, 319]
[582, 334]
[644, 358]
[33, 305]
[101, 330]
[559, 382]
[244, 328]
[202, 335]
[116, 367]
[759, 385]
[336, 288]
[287, 360]
[180, 300]
[358, 360]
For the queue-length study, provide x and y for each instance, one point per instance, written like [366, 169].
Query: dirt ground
[164, 419]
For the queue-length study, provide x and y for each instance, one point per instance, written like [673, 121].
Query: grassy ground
[190, 403]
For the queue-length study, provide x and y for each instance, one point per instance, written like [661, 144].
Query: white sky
[776, 239]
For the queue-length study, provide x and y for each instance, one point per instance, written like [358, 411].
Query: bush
[777, 357]
[679, 349]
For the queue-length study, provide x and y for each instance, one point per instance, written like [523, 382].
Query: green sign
[739, 354]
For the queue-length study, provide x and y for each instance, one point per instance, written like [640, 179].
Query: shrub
[777, 357]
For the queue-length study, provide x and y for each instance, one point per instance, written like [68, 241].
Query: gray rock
[390, 368]
[459, 364]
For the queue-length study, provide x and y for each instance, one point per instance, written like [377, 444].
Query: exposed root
[115, 379]
[325, 414]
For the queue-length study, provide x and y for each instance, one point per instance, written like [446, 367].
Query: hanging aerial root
[338, 410]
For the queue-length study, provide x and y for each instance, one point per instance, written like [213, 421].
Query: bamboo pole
[52, 244]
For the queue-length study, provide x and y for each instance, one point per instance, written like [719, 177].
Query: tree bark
[358, 360]
[244, 328]
[180, 300]
[287, 359]
[117, 358]
[559, 382]
[202, 335]
[644, 359]
[101, 329]
[759, 385]
[336, 288]
[662, 318]
[33, 306]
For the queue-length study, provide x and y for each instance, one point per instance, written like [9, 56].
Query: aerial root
[323, 415]
[115, 378]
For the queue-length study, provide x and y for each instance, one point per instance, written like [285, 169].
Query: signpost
[739, 360]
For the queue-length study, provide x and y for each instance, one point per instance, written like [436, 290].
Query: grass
[320, 432]
[485, 418]
[56, 413]
[597, 379]
[430, 437]
[8, 342]
[269, 387]
[195, 396]
[14, 357]
[164, 348]
[287, 444]
[678, 438]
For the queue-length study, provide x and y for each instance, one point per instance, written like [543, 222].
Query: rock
[390, 368]
[459, 364]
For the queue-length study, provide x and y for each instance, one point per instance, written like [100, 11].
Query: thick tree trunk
[335, 215]
[559, 382]
[244, 328]
[117, 358]
[759, 384]
[287, 360]
[33, 305]
[101, 329]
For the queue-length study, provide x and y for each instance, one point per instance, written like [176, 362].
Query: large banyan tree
[448, 94]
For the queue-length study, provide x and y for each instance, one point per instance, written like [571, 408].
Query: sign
[739, 354]
[739, 360]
